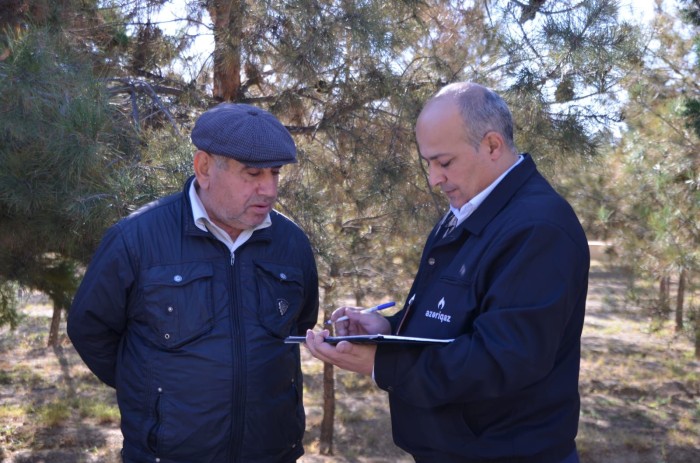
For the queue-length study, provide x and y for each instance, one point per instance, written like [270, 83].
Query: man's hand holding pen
[355, 320]
[376, 308]
[354, 357]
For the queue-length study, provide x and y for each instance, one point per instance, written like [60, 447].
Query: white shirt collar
[465, 211]
[204, 223]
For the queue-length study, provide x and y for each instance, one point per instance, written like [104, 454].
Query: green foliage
[71, 163]
[9, 314]
[691, 112]
[60, 142]
[691, 14]
[58, 135]
[648, 188]
[563, 70]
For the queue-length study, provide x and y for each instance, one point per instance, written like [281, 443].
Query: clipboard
[372, 339]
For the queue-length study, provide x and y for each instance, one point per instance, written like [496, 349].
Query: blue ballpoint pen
[376, 308]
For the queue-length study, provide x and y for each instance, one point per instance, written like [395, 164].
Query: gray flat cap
[249, 135]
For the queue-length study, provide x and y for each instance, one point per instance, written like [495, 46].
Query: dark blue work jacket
[509, 285]
[193, 339]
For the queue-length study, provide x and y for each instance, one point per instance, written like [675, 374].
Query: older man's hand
[352, 357]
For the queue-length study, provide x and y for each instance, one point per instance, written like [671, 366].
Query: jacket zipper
[155, 429]
[238, 346]
[405, 315]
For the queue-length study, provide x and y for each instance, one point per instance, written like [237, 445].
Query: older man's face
[236, 197]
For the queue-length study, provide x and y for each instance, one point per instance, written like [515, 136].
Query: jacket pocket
[177, 302]
[445, 310]
[280, 295]
[152, 437]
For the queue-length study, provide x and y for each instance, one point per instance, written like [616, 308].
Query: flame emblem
[441, 304]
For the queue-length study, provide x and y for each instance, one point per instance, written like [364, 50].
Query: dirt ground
[640, 392]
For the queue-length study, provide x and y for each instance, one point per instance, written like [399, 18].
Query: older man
[186, 304]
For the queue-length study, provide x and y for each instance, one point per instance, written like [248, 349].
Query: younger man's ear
[495, 143]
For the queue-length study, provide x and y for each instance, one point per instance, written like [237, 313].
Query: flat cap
[248, 134]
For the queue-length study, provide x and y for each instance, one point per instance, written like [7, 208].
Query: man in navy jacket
[504, 274]
[186, 304]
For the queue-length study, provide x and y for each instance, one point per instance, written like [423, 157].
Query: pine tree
[70, 163]
[652, 189]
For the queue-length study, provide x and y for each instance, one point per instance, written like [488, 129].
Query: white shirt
[204, 223]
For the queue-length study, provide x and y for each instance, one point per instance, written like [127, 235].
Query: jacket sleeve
[97, 317]
[531, 289]
[309, 311]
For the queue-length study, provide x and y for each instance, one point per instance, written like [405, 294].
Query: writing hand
[357, 322]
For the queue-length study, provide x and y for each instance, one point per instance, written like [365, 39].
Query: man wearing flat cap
[187, 301]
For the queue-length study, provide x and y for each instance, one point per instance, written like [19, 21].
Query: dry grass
[640, 396]
[640, 388]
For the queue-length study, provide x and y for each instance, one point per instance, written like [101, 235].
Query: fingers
[353, 357]
[343, 327]
[344, 347]
[316, 339]
[316, 345]
[339, 312]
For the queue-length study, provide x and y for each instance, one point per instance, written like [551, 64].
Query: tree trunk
[55, 324]
[326, 438]
[664, 299]
[327, 423]
[227, 17]
[61, 299]
[697, 334]
[680, 296]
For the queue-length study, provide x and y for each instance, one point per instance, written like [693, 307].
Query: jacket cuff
[384, 372]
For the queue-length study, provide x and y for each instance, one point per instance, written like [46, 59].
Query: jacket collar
[187, 219]
[495, 201]
[500, 196]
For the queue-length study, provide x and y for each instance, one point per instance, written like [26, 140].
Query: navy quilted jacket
[192, 339]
